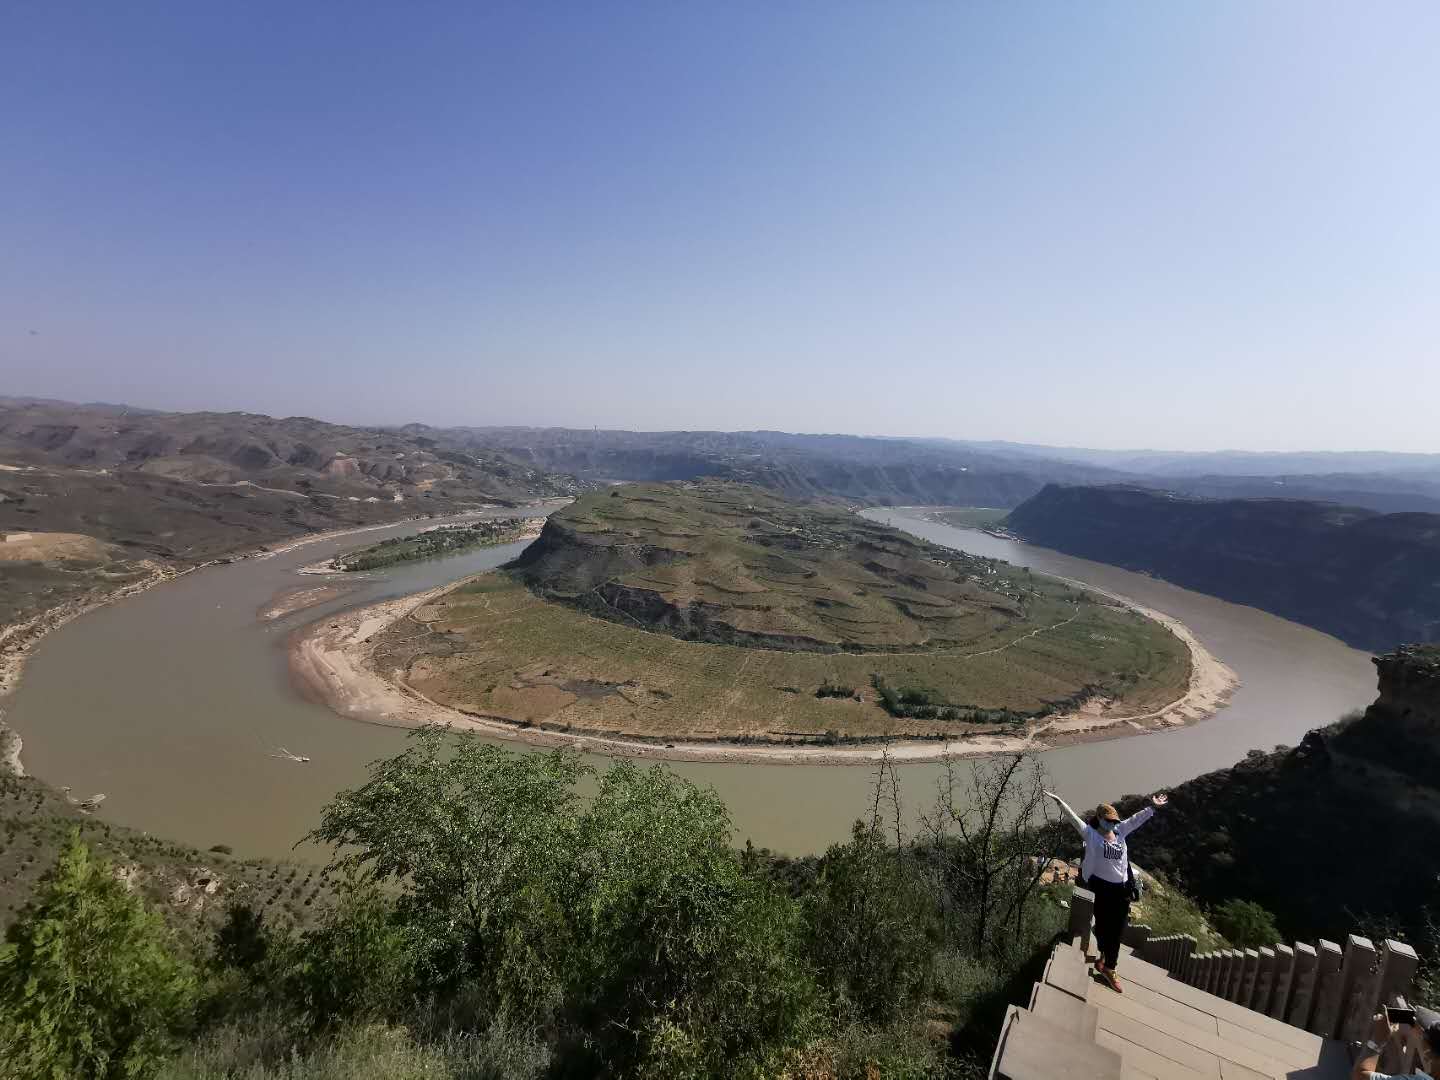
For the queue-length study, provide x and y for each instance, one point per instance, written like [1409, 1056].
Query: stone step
[1032, 1048]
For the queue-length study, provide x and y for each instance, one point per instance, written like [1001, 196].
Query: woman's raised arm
[1074, 817]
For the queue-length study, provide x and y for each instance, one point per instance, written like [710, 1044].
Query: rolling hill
[1371, 579]
[716, 611]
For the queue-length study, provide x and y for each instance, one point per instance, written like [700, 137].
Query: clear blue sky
[1179, 225]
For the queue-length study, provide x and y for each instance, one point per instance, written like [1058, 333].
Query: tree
[89, 984]
[688, 965]
[1245, 924]
[480, 841]
[358, 965]
[872, 926]
[988, 851]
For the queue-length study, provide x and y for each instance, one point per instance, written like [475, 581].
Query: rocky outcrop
[1371, 579]
[1337, 829]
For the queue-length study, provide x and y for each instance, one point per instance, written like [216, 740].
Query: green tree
[359, 965]
[1245, 924]
[89, 984]
[478, 840]
[689, 966]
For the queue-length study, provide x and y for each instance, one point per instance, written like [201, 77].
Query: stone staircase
[1238, 1014]
[1159, 1028]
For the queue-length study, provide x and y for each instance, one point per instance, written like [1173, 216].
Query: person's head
[1106, 818]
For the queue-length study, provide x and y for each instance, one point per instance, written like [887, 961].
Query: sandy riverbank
[19, 640]
[334, 661]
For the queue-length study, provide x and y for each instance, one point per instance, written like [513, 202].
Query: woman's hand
[1159, 800]
[1381, 1029]
[1051, 795]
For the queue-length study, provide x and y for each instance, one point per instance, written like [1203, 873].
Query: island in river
[717, 620]
[438, 540]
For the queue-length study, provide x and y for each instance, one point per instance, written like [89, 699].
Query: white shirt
[1107, 857]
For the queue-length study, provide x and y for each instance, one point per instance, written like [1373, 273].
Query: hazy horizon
[1111, 227]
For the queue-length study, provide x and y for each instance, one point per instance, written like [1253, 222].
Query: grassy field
[957, 644]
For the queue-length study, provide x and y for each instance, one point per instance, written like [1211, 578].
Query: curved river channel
[175, 703]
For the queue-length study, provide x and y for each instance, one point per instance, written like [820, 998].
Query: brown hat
[1106, 812]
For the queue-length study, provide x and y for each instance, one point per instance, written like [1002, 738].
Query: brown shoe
[1109, 978]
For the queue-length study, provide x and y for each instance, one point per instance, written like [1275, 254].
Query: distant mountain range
[511, 463]
[896, 471]
[296, 454]
[1370, 579]
[1237, 463]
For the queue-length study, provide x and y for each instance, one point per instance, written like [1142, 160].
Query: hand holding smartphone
[1400, 1016]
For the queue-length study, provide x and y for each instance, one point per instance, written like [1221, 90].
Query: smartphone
[1400, 1016]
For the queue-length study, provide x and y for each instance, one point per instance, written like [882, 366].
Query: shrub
[871, 926]
[1246, 924]
[358, 966]
[688, 966]
[89, 984]
[1167, 910]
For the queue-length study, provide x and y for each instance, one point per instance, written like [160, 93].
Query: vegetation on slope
[192, 888]
[728, 613]
[517, 915]
[433, 542]
[523, 916]
[1330, 835]
[1369, 579]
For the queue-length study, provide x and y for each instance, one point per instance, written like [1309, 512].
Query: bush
[1167, 910]
[899, 1051]
[872, 927]
[260, 1049]
[688, 965]
[358, 966]
[1246, 924]
[89, 984]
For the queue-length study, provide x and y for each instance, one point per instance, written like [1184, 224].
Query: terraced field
[719, 611]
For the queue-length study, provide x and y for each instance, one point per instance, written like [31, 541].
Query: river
[174, 704]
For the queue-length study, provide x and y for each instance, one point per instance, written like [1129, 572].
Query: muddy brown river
[177, 703]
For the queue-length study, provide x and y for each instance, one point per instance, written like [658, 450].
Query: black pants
[1112, 912]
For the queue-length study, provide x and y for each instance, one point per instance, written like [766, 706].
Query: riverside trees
[546, 918]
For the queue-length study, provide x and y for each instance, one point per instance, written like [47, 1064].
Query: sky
[1175, 225]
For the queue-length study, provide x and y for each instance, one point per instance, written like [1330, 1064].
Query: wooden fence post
[1361, 988]
[1237, 976]
[1264, 981]
[1135, 935]
[1284, 972]
[1247, 981]
[1302, 986]
[1154, 950]
[1207, 970]
[1082, 911]
[1222, 974]
[1213, 977]
[1328, 984]
[1186, 951]
[1397, 969]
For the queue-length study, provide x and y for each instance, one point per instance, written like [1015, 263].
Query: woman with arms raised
[1105, 871]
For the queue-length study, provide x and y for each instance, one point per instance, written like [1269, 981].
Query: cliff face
[1330, 833]
[1371, 579]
